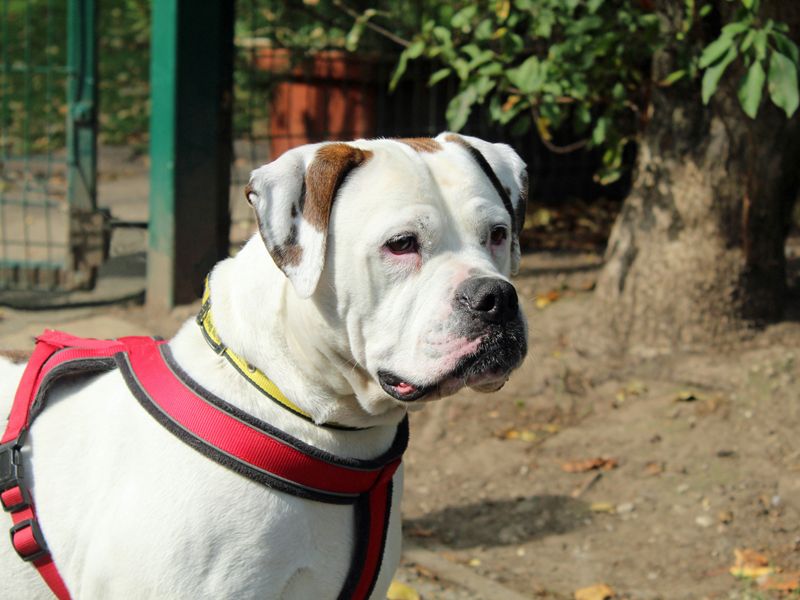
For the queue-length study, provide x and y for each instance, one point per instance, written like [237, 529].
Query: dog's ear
[508, 174]
[292, 198]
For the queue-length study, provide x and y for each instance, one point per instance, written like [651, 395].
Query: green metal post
[191, 77]
[82, 103]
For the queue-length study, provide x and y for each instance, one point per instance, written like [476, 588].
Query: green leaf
[593, 5]
[439, 76]
[471, 50]
[484, 85]
[760, 44]
[782, 83]
[747, 41]
[443, 35]
[673, 77]
[482, 58]
[459, 108]
[735, 28]
[354, 35]
[461, 20]
[484, 30]
[416, 49]
[528, 77]
[713, 74]
[751, 88]
[582, 117]
[715, 51]
[787, 47]
[492, 69]
[461, 67]
[399, 70]
[600, 131]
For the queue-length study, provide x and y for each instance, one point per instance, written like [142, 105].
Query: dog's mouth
[400, 389]
[485, 370]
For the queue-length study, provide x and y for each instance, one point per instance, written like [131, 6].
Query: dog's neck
[258, 316]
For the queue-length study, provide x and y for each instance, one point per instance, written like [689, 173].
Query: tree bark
[697, 252]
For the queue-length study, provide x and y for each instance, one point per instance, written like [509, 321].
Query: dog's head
[404, 248]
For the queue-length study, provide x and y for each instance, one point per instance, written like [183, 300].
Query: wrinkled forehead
[462, 182]
[447, 177]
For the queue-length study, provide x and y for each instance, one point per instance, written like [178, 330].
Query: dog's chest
[159, 519]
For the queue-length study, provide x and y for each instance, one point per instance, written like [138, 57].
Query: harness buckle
[22, 546]
[14, 494]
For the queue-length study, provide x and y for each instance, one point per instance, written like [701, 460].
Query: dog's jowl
[257, 453]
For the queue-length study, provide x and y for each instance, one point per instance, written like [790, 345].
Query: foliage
[30, 114]
[313, 25]
[35, 35]
[758, 44]
[585, 65]
[123, 65]
[547, 64]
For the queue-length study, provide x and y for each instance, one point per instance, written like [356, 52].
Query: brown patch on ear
[331, 165]
[248, 189]
[16, 356]
[290, 255]
[422, 144]
[457, 139]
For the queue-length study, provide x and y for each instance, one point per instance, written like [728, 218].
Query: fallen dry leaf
[602, 507]
[589, 464]
[750, 564]
[781, 582]
[543, 300]
[401, 591]
[749, 557]
[425, 572]
[599, 591]
[654, 468]
[523, 435]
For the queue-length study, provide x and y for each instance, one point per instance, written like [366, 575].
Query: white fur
[129, 511]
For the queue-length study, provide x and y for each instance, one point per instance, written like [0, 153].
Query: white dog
[357, 309]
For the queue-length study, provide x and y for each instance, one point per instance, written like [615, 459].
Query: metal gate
[51, 234]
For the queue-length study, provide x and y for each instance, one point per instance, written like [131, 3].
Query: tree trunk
[697, 252]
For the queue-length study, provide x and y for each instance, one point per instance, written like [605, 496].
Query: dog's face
[405, 249]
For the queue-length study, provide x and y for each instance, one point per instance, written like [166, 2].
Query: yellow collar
[255, 376]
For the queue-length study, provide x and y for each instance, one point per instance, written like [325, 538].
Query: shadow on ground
[499, 522]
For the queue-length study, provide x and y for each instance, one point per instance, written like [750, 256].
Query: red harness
[207, 423]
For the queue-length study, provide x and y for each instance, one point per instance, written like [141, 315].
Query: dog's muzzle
[485, 308]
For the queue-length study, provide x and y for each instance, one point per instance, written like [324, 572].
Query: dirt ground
[701, 455]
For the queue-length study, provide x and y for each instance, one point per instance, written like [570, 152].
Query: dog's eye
[498, 235]
[405, 243]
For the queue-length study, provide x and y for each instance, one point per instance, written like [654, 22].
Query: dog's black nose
[490, 299]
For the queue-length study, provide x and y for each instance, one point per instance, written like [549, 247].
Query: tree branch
[555, 147]
[376, 28]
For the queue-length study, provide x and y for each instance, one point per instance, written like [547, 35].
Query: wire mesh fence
[33, 178]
